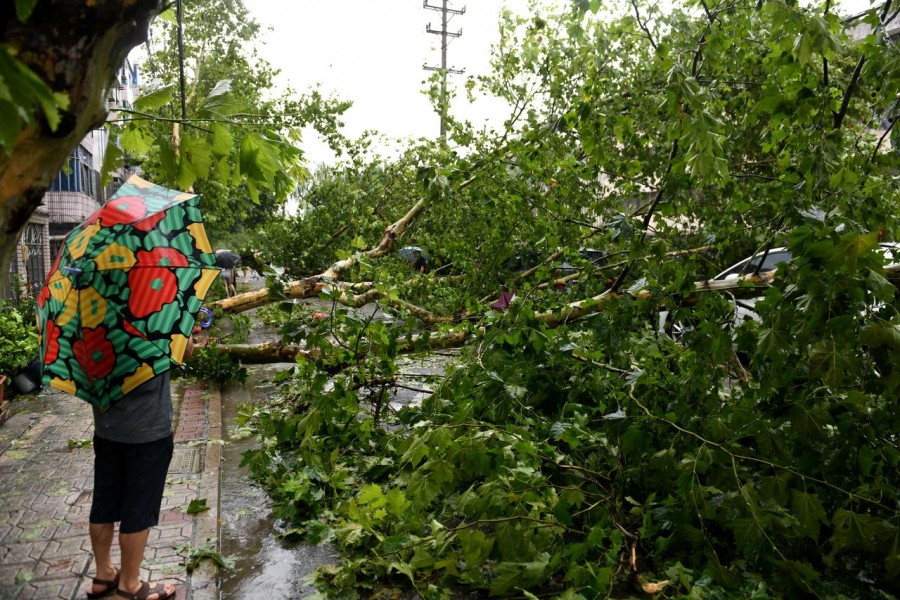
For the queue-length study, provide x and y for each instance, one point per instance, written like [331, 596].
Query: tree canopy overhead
[57, 62]
[240, 145]
[237, 142]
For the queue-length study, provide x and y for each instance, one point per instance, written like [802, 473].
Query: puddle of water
[266, 566]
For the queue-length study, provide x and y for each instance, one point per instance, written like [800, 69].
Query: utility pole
[444, 33]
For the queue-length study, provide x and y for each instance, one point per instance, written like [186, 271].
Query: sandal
[111, 585]
[145, 592]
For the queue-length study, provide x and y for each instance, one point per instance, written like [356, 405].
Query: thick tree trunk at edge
[77, 48]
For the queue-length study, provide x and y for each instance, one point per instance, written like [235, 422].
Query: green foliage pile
[209, 364]
[18, 340]
[580, 462]
[600, 457]
[339, 210]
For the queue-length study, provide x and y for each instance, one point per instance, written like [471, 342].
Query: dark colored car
[523, 261]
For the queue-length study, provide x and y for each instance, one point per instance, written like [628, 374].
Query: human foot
[103, 587]
[145, 592]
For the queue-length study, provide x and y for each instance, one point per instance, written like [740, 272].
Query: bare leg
[133, 545]
[101, 542]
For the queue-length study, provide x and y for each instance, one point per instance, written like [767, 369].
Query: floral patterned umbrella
[122, 297]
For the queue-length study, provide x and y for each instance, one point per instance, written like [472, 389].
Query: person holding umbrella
[227, 261]
[133, 446]
[115, 315]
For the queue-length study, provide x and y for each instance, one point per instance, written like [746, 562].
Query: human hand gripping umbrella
[120, 302]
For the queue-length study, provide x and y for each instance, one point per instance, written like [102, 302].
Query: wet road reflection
[266, 566]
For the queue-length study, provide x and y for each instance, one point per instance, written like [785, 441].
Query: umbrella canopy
[226, 259]
[123, 294]
[411, 252]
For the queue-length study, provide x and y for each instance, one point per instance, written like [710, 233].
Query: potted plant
[18, 344]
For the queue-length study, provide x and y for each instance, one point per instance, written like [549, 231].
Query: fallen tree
[274, 352]
[312, 287]
[573, 450]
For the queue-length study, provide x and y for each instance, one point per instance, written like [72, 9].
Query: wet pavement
[46, 478]
[266, 566]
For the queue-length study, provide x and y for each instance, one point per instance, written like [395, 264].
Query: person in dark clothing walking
[227, 261]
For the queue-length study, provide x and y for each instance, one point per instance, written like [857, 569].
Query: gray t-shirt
[143, 415]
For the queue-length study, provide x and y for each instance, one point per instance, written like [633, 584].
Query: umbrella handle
[207, 319]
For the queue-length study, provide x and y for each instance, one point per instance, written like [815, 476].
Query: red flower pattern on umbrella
[150, 222]
[52, 344]
[43, 296]
[152, 283]
[127, 209]
[161, 257]
[151, 289]
[126, 285]
[95, 353]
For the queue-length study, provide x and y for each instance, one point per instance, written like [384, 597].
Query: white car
[744, 307]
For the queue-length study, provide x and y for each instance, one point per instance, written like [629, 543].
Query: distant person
[252, 260]
[227, 260]
[420, 263]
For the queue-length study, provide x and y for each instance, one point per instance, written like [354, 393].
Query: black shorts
[129, 481]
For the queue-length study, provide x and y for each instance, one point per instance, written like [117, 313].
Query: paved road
[46, 474]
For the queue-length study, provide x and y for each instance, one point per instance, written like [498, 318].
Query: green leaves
[197, 505]
[817, 37]
[507, 576]
[858, 530]
[809, 512]
[476, 546]
[258, 160]
[831, 361]
[24, 8]
[18, 341]
[22, 91]
[156, 99]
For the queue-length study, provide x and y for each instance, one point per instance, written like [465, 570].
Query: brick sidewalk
[46, 478]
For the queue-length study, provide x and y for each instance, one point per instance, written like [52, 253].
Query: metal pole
[444, 72]
[179, 15]
[445, 34]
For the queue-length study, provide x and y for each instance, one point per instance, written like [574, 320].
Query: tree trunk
[267, 352]
[311, 287]
[275, 352]
[76, 47]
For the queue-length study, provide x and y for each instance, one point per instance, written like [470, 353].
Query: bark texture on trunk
[267, 352]
[76, 47]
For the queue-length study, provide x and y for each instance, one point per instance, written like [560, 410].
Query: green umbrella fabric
[122, 297]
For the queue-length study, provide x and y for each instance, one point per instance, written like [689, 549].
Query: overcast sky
[372, 52]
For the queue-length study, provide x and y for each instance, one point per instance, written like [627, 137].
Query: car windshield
[751, 265]
[747, 266]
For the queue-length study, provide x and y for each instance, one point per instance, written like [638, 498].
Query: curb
[203, 580]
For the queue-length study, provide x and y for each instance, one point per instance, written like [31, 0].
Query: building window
[32, 249]
[77, 175]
